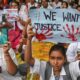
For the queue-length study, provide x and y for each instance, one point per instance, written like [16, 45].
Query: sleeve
[71, 52]
[36, 66]
[74, 68]
[39, 67]
[22, 68]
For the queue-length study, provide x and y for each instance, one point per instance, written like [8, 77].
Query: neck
[56, 73]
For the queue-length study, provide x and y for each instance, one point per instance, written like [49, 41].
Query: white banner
[56, 25]
[11, 14]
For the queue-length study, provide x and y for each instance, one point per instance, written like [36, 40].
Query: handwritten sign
[56, 25]
[11, 14]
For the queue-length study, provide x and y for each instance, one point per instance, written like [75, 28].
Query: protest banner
[56, 25]
[11, 14]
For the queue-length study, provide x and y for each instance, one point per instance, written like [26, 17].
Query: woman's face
[44, 3]
[57, 60]
[64, 5]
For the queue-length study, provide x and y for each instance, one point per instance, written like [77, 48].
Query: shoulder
[39, 66]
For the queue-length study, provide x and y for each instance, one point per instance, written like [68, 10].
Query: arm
[11, 66]
[23, 22]
[28, 50]
[7, 24]
[24, 36]
[20, 46]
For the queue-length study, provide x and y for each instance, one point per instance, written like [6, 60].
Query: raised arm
[28, 50]
[6, 25]
[11, 66]
[24, 23]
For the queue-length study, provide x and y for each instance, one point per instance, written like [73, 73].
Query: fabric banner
[56, 25]
[11, 14]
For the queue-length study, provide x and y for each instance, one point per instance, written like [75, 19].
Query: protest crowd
[17, 35]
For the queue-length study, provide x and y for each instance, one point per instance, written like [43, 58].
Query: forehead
[56, 54]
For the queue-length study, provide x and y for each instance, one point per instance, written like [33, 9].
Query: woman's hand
[6, 47]
[30, 32]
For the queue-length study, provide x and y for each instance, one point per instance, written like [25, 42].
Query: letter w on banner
[56, 25]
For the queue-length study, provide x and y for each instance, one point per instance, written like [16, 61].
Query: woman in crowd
[56, 4]
[18, 24]
[64, 5]
[22, 42]
[55, 68]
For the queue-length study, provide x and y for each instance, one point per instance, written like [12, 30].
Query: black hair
[77, 6]
[72, 4]
[14, 2]
[58, 47]
[45, 0]
[17, 3]
[65, 3]
[33, 7]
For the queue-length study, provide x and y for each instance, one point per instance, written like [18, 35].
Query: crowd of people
[62, 64]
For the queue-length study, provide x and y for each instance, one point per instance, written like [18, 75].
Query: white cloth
[61, 74]
[30, 5]
[5, 75]
[72, 51]
[58, 5]
[40, 66]
[49, 7]
[23, 14]
[74, 70]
